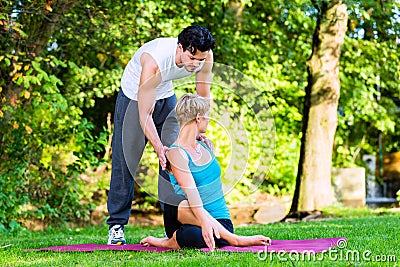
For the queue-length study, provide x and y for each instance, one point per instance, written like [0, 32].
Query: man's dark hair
[195, 38]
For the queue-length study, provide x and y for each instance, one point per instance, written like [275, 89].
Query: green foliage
[54, 102]
[45, 144]
[369, 102]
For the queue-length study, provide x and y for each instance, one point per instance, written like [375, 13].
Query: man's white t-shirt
[163, 51]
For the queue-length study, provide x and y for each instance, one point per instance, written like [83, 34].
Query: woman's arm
[180, 169]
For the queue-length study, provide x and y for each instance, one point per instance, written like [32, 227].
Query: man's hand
[206, 141]
[209, 229]
[161, 156]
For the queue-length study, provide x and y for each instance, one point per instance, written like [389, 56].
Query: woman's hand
[209, 229]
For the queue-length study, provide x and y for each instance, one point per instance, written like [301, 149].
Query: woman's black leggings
[187, 235]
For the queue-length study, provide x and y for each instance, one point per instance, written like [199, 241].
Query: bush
[45, 146]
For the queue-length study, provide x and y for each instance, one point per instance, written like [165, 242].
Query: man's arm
[203, 85]
[204, 77]
[150, 78]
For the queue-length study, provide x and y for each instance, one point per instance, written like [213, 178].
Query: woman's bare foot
[160, 242]
[255, 240]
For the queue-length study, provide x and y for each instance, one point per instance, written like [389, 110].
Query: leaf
[36, 66]
[275, 58]
[366, 15]
[26, 82]
[48, 8]
[16, 76]
[27, 94]
[28, 129]
[19, 81]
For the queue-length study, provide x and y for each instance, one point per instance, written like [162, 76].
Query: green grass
[372, 232]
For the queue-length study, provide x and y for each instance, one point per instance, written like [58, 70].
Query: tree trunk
[313, 182]
[40, 26]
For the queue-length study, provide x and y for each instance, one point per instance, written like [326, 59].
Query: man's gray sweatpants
[128, 144]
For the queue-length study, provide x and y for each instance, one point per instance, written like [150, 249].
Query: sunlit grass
[377, 235]
[340, 211]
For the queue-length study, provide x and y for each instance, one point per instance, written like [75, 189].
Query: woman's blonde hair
[188, 106]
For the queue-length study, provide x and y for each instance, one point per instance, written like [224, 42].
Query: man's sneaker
[116, 235]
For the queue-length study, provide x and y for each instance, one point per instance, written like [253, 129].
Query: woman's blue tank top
[208, 183]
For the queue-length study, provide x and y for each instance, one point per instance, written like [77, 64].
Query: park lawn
[374, 238]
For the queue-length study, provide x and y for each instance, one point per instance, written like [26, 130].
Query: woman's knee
[190, 236]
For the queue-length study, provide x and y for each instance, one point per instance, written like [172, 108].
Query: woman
[198, 216]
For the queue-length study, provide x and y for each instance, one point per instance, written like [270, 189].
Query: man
[143, 113]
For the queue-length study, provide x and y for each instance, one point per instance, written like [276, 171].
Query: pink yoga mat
[300, 246]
